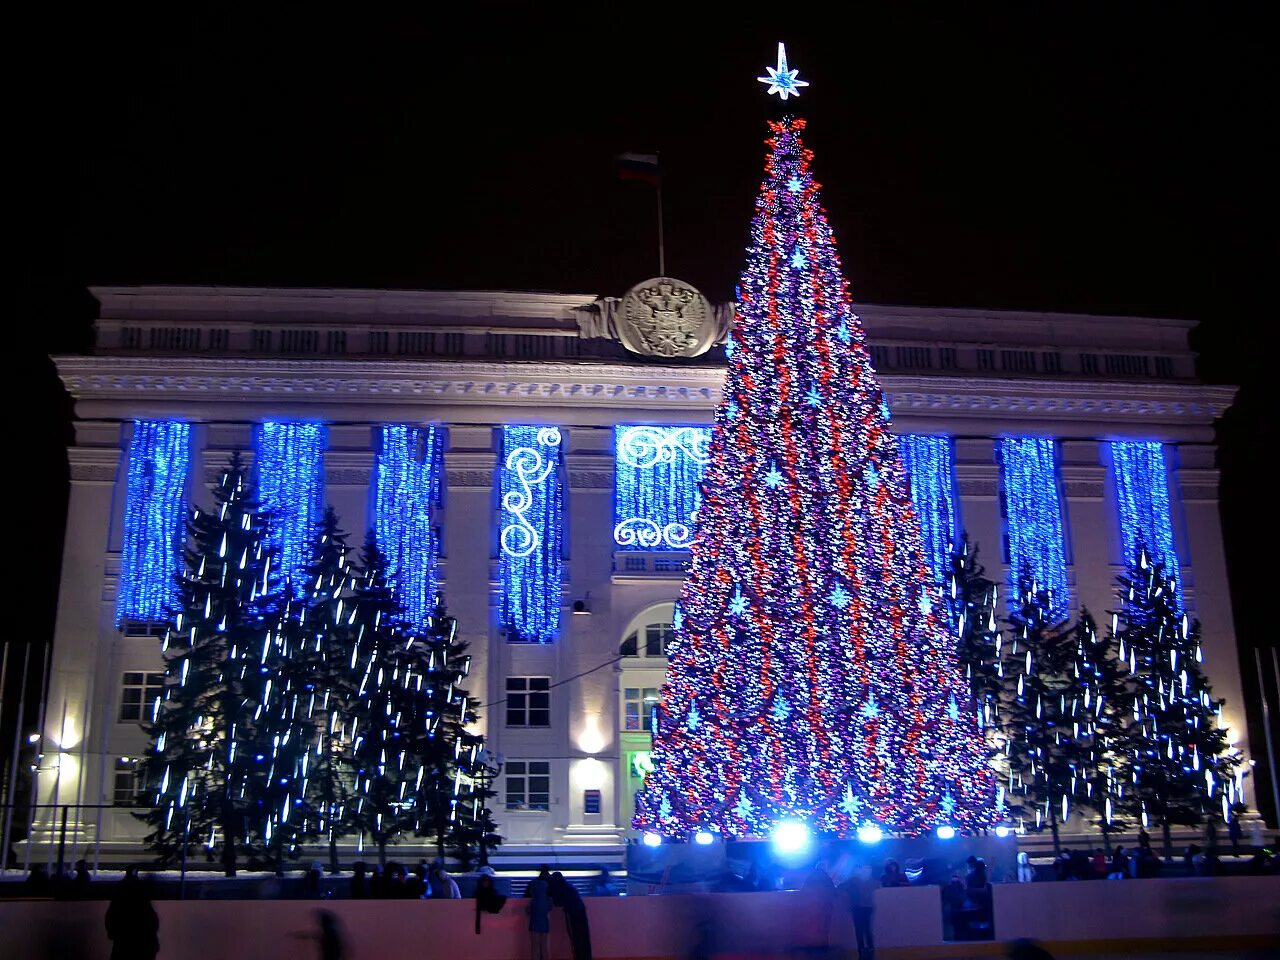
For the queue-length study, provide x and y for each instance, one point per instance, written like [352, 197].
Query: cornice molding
[693, 388]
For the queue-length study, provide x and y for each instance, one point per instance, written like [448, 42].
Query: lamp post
[489, 769]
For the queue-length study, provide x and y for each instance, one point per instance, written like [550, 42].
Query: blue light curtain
[289, 470]
[1142, 503]
[155, 507]
[531, 532]
[930, 462]
[655, 489]
[406, 495]
[1034, 527]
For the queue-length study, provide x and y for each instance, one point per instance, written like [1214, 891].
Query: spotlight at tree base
[1002, 831]
[790, 837]
[704, 838]
[870, 833]
[653, 839]
[946, 832]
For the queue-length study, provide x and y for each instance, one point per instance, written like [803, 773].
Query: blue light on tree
[405, 497]
[1034, 529]
[656, 485]
[151, 552]
[930, 462]
[531, 534]
[289, 473]
[1142, 502]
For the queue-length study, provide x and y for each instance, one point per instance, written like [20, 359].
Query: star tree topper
[782, 81]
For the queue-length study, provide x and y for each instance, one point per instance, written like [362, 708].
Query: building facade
[553, 452]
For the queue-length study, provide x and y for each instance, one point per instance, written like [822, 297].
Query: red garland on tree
[813, 675]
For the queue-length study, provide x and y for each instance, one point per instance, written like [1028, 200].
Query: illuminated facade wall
[931, 463]
[155, 511]
[405, 498]
[655, 490]
[531, 534]
[289, 473]
[1141, 484]
[1035, 534]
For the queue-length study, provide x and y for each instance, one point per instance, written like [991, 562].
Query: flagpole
[662, 252]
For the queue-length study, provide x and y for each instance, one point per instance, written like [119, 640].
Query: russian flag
[638, 166]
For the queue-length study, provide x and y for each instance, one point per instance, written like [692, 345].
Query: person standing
[539, 910]
[132, 924]
[1026, 872]
[861, 890]
[564, 896]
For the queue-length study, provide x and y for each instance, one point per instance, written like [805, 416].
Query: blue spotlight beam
[289, 472]
[656, 485]
[1034, 527]
[151, 553]
[930, 462]
[1142, 503]
[406, 496]
[531, 532]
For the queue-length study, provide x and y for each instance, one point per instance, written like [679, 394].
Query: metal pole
[102, 757]
[1266, 729]
[13, 765]
[56, 797]
[662, 249]
[4, 672]
[62, 844]
[35, 773]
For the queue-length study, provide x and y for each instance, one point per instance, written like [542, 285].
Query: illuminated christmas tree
[973, 597]
[1183, 770]
[813, 673]
[1038, 753]
[227, 766]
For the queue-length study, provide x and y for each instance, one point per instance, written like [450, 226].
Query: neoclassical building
[536, 457]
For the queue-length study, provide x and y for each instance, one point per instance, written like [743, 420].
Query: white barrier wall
[1240, 911]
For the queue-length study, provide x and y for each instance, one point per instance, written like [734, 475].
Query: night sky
[1050, 157]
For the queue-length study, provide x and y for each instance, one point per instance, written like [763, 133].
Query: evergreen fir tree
[1038, 753]
[387, 707]
[973, 598]
[1094, 704]
[330, 632]
[225, 767]
[452, 810]
[1182, 768]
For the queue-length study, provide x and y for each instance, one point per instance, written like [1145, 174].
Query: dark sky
[1101, 158]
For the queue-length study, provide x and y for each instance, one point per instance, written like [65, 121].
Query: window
[262, 341]
[915, 358]
[126, 784]
[528, 784]
[219, 337]
[528, 701]
[336, 341]
[1164, 368]
[1018, 361]
[299, 341]
[495, 344]
[986, 359]
[656, 638]
[379, 341]
[131, 338]
[1051, 362]
[947, 359]
[415, 342]
[1088, 363]
[880, 358]
[1125, 364]
[638, 707]
[453, 344]
[530, 347]
[139, 690]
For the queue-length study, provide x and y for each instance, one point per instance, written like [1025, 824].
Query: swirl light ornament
[151, 554]
[1141, 481]
[930, 462]
[289, 473]
[406, 496]
[656, 485]
[1034, 528]
[531, 535]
